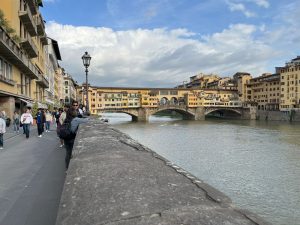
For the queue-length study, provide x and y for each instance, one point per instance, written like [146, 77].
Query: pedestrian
[75, 106]
[54, 113]
[26, 120]
[21, 124]
[80, 109]
[62, 117]
[69, 143]
[2, 129]
[49, 119]
[40, 120]
[16, 122]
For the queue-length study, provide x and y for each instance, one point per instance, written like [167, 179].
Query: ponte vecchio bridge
[141, 103]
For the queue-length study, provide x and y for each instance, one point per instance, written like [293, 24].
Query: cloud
[262, 3]
[240, 7]
[157, 57]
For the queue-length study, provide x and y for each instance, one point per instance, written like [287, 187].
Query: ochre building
[23, 41]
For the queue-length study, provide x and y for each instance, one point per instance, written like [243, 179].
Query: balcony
[42, 81]
[44, 39]
[11, 51]
[28, 21]
[29, 47]
[40, 27]
[33, 6]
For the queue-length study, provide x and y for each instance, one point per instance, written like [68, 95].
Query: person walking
[26, 120]
[49, 119]
[75, 106]
[40, 120]
[2, 129]
[74, 120]
[62, 117]
[16, 122]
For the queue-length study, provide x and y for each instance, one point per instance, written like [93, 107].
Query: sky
[161, 43]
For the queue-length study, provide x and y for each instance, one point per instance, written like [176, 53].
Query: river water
[255, 163]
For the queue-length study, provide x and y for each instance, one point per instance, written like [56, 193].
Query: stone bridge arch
[224, 111]
[131, 112]
[186, 112]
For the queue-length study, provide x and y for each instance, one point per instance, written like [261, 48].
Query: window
[5, 69]
[66, 91]
[66, 83]
[164, 92]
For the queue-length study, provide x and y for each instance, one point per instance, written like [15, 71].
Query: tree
[34, 109]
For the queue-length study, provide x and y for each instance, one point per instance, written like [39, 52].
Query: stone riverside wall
[278, 115]
[114, 180]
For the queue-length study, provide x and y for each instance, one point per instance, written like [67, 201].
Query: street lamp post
[86, 58]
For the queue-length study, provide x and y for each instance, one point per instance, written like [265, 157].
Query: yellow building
[119, 98]
[264, 91]
[201, 80]
[22, 55]
[290, 85]
[242, 79]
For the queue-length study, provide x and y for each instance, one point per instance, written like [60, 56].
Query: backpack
[65, 131]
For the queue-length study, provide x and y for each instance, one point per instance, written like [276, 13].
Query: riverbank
[112, 179]
[290, 116]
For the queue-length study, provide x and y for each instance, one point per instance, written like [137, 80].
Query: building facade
[264, 91]
[53, 55]
[290, 85]
[69, 89]
[124, 98]
[23, 74]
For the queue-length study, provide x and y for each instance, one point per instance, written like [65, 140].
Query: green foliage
[10, 30]
[16, 38]
[34, 109]
[40, 2]
[5, 24]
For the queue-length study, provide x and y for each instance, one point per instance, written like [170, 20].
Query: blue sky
[153, 43]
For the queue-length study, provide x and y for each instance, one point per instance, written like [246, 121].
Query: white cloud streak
[240, 7]
[262, 3]
[158, 57]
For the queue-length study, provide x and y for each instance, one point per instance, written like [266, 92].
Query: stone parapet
[115, 180]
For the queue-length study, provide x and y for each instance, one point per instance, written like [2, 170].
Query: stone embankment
[114, 180]
[292, 116]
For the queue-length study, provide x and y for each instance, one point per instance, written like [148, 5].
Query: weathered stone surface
[114, 180]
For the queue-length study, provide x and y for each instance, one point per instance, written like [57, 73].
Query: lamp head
[86, 59]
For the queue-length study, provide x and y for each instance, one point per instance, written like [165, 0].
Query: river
[255, 163]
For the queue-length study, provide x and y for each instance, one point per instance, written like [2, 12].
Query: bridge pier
[143, 115]
[249, 113]
[200, 113]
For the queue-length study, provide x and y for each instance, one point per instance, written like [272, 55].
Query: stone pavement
[10, 132]
[114, 180]
[32, 175]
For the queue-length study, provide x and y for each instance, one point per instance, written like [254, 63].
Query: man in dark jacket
[74, 120]
[40, 120]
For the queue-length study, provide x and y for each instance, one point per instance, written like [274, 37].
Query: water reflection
[256, 163]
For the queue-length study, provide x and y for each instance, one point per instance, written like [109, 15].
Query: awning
[28, 103]
[49, 101]
[42, 106]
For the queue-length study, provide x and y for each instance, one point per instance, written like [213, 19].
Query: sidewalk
[10, 132]
[32, 174]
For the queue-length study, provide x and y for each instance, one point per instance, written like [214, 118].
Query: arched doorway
[164, 101]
